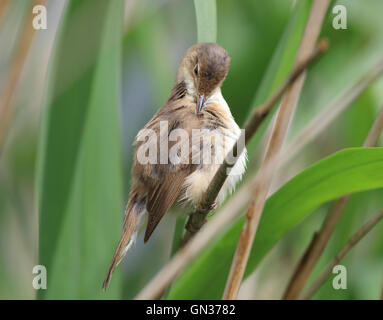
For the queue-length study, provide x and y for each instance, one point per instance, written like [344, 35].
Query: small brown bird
[171, 166]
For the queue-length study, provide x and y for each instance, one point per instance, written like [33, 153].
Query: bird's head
[203, 68]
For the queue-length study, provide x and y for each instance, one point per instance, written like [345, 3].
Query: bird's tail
[133, 214]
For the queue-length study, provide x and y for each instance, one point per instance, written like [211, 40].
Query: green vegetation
[99, 73]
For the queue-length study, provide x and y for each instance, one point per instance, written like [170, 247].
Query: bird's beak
[200, 102]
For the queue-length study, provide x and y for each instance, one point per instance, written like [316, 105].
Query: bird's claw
[212, 208]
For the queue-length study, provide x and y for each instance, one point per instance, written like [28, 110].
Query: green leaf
[206, 12]
[79, 166]
[348, 171]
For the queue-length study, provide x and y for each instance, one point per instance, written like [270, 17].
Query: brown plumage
[195, 102]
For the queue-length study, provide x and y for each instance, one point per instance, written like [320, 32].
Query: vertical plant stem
[265, 175]
[320, 239]
[367, 227]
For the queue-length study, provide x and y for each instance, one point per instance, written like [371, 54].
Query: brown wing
[161, 197]
[164, 182]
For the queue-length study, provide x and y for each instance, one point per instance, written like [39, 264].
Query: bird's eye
[196, 70]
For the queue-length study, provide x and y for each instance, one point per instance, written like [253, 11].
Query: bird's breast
[218, 134]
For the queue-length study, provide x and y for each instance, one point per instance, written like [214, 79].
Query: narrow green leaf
[348, 171]
[80, 169]
[206, 12]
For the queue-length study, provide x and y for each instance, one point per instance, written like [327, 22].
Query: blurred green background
[97, 75]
